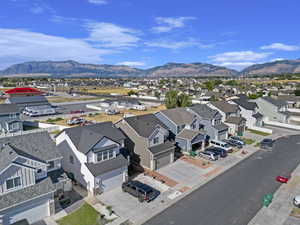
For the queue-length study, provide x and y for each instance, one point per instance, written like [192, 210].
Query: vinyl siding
[172, 126]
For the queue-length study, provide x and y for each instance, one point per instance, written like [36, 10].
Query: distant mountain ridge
[72, 68]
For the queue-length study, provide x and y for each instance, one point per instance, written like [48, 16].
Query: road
[235, 197]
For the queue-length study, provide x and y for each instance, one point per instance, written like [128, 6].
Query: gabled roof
[235, 120]
[226, 107]
[161, 148]
[28, 99]
[278, 103]
[23, 90]
[188, 134]
[221, 127]
[8, 108]
[85, 137]
[204, 111]
[179, 116]
[36, 146]
[243, 102]
[145, 125]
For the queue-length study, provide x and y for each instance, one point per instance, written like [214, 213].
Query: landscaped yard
[248, 141]
[85, 215]
[258, 132]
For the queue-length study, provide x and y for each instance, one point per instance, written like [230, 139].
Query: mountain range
[71, 68]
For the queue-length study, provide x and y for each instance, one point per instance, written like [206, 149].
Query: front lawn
[85, 215]
[258, 132]
[248, 141]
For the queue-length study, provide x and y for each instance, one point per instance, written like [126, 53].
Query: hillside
[277, 67]
[73, 69]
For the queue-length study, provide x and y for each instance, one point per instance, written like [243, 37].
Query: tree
[297, 92]
[171, 99]
[183, 100]
[231, 83]
[157, 94]
[131, 92]
[209, 85]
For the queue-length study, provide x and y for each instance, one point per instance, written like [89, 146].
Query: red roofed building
[23, 91]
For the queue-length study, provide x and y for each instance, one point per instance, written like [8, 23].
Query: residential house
[147, 141]
[93, 155]
[26, 101]
[10, 118]
[231, 116]
[211, 121]
[273, 109]
[184, 128]
[30, 174]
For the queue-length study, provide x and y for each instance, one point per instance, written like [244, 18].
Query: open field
[120, 91]
[71, 99]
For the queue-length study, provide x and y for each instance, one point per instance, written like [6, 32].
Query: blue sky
[147, 33]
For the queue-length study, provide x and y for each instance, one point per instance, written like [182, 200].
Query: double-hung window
[13, 183]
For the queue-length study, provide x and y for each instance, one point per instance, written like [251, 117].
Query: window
[51, 165]
[14, 126]
[71, 159]
[12, 115]
[105, 155]
[156, 140]
[111, 154]
[13, 183]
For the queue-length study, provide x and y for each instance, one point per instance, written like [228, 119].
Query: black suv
[267, 144]
[217, 150]
[142, 191]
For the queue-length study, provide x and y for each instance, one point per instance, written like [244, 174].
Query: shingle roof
[145, 125]
[8, 108]
[278, 103]
[225, 106]
[179, 116]
[85, 137]
[103, 167]
[235, 120]
[204, 111]
[165, 147]
[188, 134]
[257, 115]
[25, 194]
[38, 146]
[28, 99]
[221, 127]
[243, 102]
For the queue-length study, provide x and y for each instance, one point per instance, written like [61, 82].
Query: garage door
[32, 212]
[113, 182]
[222, 136]
[162, 160]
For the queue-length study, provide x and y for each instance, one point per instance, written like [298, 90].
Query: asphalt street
[234, 197]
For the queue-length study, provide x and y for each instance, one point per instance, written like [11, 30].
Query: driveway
[235, 196]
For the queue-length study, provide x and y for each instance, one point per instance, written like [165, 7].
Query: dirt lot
[119, 91]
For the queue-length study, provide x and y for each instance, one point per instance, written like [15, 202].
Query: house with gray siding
[210, 120]
[30, 174]
[184, 128]
[273, 109]
[147, 141]
[93, 154]
[10, 121]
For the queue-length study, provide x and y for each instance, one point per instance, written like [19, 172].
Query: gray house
[26, 101]
[10, 118]
[147, 141]
[30, 173]
[273, 109]
[211, 121]
[92, 154]
[184, 128]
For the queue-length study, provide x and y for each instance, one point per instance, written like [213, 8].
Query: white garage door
[113, 182]
[222, 136]
[32, 212]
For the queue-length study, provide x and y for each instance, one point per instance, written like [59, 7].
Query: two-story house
[211, 121]
[273, 109]
[92, 154]
[147, 141]
[10, 118]
[231, 116]
[184, 128]
[30, 173]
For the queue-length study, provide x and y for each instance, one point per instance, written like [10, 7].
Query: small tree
[131, 92]
[157, 94]
[297, 92]
[171, 99]
[183, 100]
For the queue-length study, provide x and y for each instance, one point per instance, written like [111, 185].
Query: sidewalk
[279, 210]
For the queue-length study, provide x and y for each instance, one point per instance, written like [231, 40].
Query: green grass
[54, 120]
[257, 144]
[258, 132]
[25, 128]
[248, 141]
[85, 215]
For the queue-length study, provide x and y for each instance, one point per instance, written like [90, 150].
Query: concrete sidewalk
[279, 210]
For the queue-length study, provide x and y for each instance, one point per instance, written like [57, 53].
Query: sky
[148, 33]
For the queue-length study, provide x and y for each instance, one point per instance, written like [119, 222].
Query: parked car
[222, 145]
[266, 144]
[142, 191]
[212, 156]
[217, 150]
[237, 139]
[296, 201]
[233, 143]
[111, 112]
[77, 111]
[75, 121]
[282, 179]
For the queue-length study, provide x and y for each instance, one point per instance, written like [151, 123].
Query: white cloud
[131, 64]
[238, 56]
[280, 46]
[176, 44]
[21, 45]
[277, 59]
[98, 2]
[169, 23]
[111, 35]
[37, 9]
